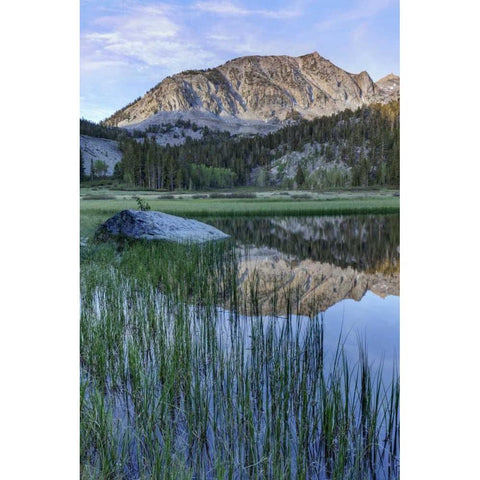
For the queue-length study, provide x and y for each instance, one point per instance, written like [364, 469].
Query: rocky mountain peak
[260, 88]
[390, 77]
[389, 87]
[313, 55]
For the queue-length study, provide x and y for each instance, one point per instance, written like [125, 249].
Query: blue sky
[128, 46]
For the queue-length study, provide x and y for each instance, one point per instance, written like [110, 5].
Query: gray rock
[152, 225]
[94, 149]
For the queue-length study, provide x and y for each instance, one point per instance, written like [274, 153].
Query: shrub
[142, 204]
[233, 195]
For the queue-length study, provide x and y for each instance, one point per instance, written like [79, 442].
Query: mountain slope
[94, 149]
[390, 87]
[350, 148]
[259, 88]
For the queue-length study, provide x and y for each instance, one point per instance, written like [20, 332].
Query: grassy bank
[177, 383]
[182, 377]
[95, 209]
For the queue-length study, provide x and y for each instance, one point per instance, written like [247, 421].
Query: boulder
[152, 225]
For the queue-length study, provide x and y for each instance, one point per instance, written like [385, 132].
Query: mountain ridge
[265, 89]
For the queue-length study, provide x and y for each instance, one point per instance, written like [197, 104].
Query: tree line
[366, 140]
[100, 130]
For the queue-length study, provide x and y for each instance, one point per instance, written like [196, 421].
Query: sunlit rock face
[261, 88]
[306, 287]
[390, 86]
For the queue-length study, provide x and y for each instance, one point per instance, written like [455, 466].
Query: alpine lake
[273, 354]
[349, 264]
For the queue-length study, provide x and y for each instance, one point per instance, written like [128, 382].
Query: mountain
[390, 86]
[255, 90]
[350, 148]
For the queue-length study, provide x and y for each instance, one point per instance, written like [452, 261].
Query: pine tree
[82, 168]
[300, 176]
[100, 168]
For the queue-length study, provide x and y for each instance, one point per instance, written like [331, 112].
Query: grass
[239, 192]
[182, 377]
[95, 212]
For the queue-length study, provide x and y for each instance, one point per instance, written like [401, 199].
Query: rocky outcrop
[389, 87]
[94, 149]
[267, 88]
[152, 225]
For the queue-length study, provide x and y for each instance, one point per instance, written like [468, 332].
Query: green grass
[124, 194]
[94, 212]
[165, 395]
[177, 382]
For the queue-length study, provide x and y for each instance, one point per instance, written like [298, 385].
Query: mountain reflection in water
[366, 242]
[307, 264]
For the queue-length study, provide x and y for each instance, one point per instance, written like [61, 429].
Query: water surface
[349, 264]
[363, 242]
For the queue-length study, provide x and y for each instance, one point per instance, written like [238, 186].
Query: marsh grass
[183, 378]
[267, 206]
[234, 195]
[98, 197]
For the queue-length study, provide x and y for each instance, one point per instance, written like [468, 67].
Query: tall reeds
[181, 377]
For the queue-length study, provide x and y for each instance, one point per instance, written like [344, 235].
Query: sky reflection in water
[367, 243]
[373, 319]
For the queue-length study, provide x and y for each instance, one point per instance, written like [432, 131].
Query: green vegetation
[101, 130]
[363, 242]
[83, 175]
[99, 168]
[96, 208]
[182, 374]
[177, 382]
[142, 204]
[169, 127]
[365, 141]
[93, 129]
[300, 176]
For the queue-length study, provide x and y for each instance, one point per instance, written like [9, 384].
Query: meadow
[96, 206]
[184, 377]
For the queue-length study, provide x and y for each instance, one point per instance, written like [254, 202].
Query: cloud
[359, 33]
[244, 42]
[230, 9]
[126, 51]
[127, 47]
[364, 9]
[143, 34]
[92, 64]
[170, 38]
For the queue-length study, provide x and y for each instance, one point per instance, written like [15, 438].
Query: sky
[128, 46]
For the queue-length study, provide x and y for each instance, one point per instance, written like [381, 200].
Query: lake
[272, 357]
[351, 264]
[366, 242]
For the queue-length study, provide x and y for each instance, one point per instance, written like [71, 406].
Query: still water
[366, 243]
[350, 263]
